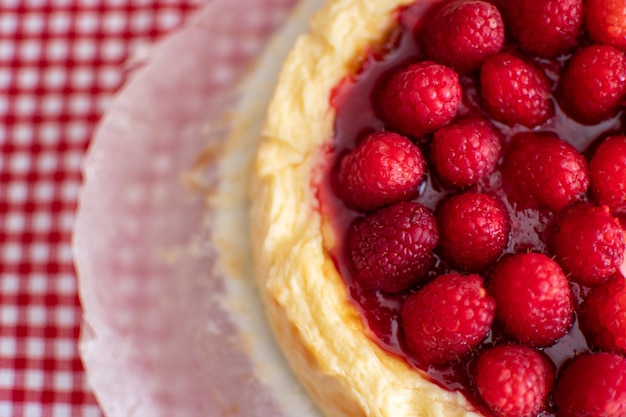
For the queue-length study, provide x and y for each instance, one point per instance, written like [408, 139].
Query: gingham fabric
[60, 63]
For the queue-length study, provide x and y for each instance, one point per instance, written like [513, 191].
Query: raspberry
[593, 84]
[462, 33]
[542, 171]
[515, 92]
[464, 152]
[605, 21]
[420, 98]
[546, 28]
[607, 169]
[392, 248]
[447, 318]
[473, 230]
[383, 169]
[592, 386]
[533, 298]
[514, 381]
[603, 316]
[589, 243]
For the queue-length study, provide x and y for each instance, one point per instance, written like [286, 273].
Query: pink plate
[168, 331]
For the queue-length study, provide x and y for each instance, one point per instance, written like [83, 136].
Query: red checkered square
[60, 63]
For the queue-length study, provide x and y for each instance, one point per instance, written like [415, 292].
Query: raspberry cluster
[504, 121]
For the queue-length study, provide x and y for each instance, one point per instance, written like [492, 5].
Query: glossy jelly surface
[355, 100]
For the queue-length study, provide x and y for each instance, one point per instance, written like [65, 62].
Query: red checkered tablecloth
[60, 63]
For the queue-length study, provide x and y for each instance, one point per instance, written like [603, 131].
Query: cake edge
[318, 329]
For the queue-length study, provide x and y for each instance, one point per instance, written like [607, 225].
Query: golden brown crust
[318, 329]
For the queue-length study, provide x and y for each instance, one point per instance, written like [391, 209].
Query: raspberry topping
[420, 98]
[542, 171]
[392, 248]
[533, 298]
[515, 92]
[589, 243]
[592, 386]
[473, 230]
[545, 28]
[514, 381]
[465, 152]
[383, 169]
[502, 216]
[462, 33]
[603, 316]
[607, 169]
[593, 85]
[605, 22]
[447, 318]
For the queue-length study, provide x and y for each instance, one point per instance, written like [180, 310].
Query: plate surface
[172, 325]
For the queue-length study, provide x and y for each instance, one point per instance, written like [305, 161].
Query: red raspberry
[589, 243]
[383, 169]
[546, 28]
[420, 98]
[605, 21]
[542, 171]
[607, 169]
[462, 33]
[514, 381]
[592, 386]
[603, 316]
[447, 318]
[392, 248]
[473, 230]
[593, 84]
[515, 92]
[464, 152]
[533, 298]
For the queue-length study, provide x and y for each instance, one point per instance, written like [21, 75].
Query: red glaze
[354, 101]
